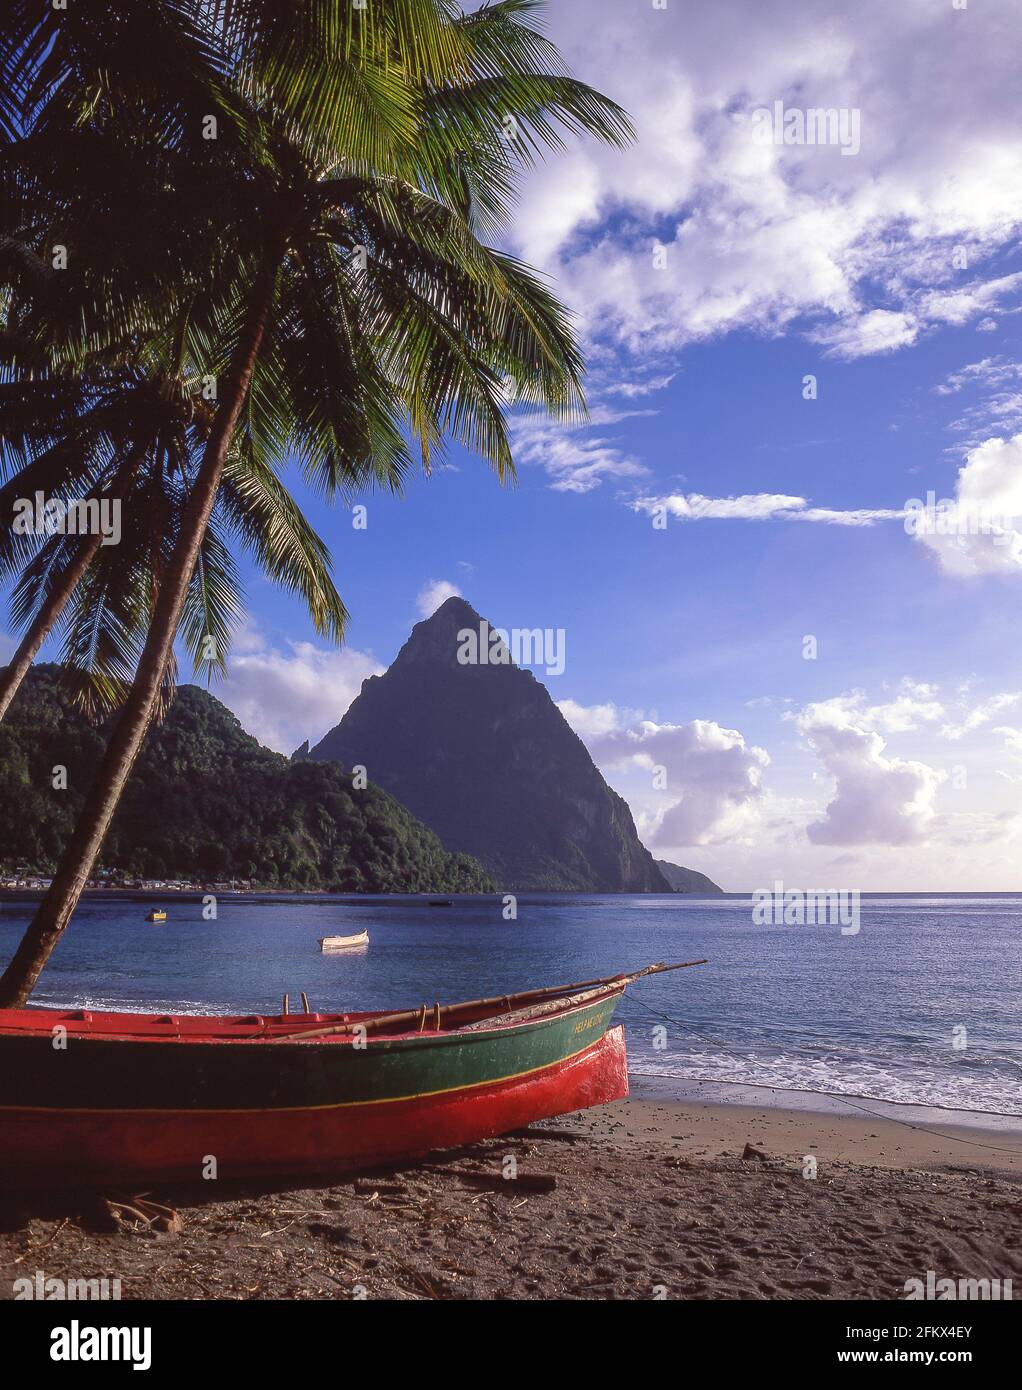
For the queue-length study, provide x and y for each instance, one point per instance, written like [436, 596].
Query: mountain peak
[436, 637]
[453, 609]
[476, 748]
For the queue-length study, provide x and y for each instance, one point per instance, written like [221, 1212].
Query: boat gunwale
[475, 1031]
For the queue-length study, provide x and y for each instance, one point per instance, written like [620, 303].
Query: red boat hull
[81, 1148]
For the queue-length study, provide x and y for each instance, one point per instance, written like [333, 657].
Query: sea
[920, 1007]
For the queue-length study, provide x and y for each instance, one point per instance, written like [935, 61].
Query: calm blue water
[793, 1007]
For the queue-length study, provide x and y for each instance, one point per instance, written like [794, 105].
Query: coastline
[683, 1090]
[642, 1199]
[943, 1140]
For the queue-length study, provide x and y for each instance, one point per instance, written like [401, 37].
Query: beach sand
[646, 1198]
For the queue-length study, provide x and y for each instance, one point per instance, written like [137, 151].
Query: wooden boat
[344, 943]
[133, 1097]
[156, 916]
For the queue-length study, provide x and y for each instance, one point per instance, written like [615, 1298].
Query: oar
[507, 1002]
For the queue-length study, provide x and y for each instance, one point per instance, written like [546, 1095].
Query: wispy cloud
[759, 506]
[573, 457]
[981, 714]
[633, 389]
[993, 389]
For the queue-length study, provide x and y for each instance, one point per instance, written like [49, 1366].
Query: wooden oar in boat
[444, 1013]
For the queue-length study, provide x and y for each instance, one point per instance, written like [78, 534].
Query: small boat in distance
[344, 943]
[440, 902]
[142, 1098]
[156, 915]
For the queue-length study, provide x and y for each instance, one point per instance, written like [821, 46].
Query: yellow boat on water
[156, 916]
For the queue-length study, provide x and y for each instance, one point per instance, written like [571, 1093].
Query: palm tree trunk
[81, 852]
[57, 599]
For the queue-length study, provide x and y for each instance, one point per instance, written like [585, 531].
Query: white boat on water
[344, 943]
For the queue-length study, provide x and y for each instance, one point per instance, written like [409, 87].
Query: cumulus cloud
[709, 779]
[878, 799]
[913, 705]
[591, 721]
[433, 594]
[977, 531]
[283, 695]
[865, 254]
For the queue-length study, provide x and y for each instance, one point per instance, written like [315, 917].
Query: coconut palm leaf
[269, 523]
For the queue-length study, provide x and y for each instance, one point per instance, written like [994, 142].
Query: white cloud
[632, 389]
[977, 532]
[573, 459]
[864, 252]
[981, 714]
[994, 392]
[590, 721]
[712, 779]
[863, 795]
[433, 594]
[913, 705]
[878, 799]
[865, 335]
[987, 372]
[285, 695]
[1012, 738]
[759, 506]
[960, 306]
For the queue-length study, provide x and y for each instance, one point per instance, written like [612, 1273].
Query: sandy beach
[644, 1199]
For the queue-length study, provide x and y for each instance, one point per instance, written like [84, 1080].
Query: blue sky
[710, 275]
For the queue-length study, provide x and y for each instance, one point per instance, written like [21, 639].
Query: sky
[788, 670]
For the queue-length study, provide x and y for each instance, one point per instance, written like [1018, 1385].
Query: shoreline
[683, 1090]
[709, 1128]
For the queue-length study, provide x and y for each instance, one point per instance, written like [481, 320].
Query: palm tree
[134, 434]
[140, 68]
[365, 307]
